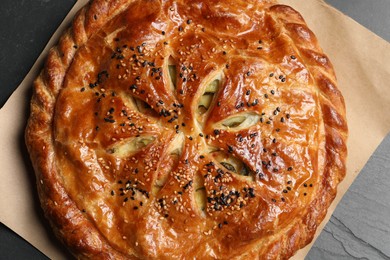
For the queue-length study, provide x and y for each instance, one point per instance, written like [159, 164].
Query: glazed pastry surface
[181, 129]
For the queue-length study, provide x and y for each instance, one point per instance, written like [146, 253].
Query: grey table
[360, 226]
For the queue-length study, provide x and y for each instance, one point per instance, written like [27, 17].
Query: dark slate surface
[374, 14]
[13, 247]
[360, 226]
[25, 28]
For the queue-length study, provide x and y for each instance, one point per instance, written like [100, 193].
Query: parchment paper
[362, 63]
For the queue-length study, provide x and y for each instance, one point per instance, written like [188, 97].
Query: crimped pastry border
[77, 232]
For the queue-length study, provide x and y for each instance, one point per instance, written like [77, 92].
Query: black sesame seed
[251, 192]
[248, 92]
[109, 120]
[189, 21]
[163, 32]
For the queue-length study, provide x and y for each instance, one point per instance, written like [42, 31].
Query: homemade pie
[187, 129]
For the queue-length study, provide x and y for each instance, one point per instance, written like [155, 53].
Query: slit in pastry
[233, 165]
[208, 95]
[239, 122]
[172, 72]
[170, 162]
[130, 146]
[144, 107]
[200, 194]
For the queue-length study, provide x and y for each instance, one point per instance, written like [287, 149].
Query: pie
[187, 129]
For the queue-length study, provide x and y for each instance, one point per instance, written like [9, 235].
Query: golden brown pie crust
[180, 129]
